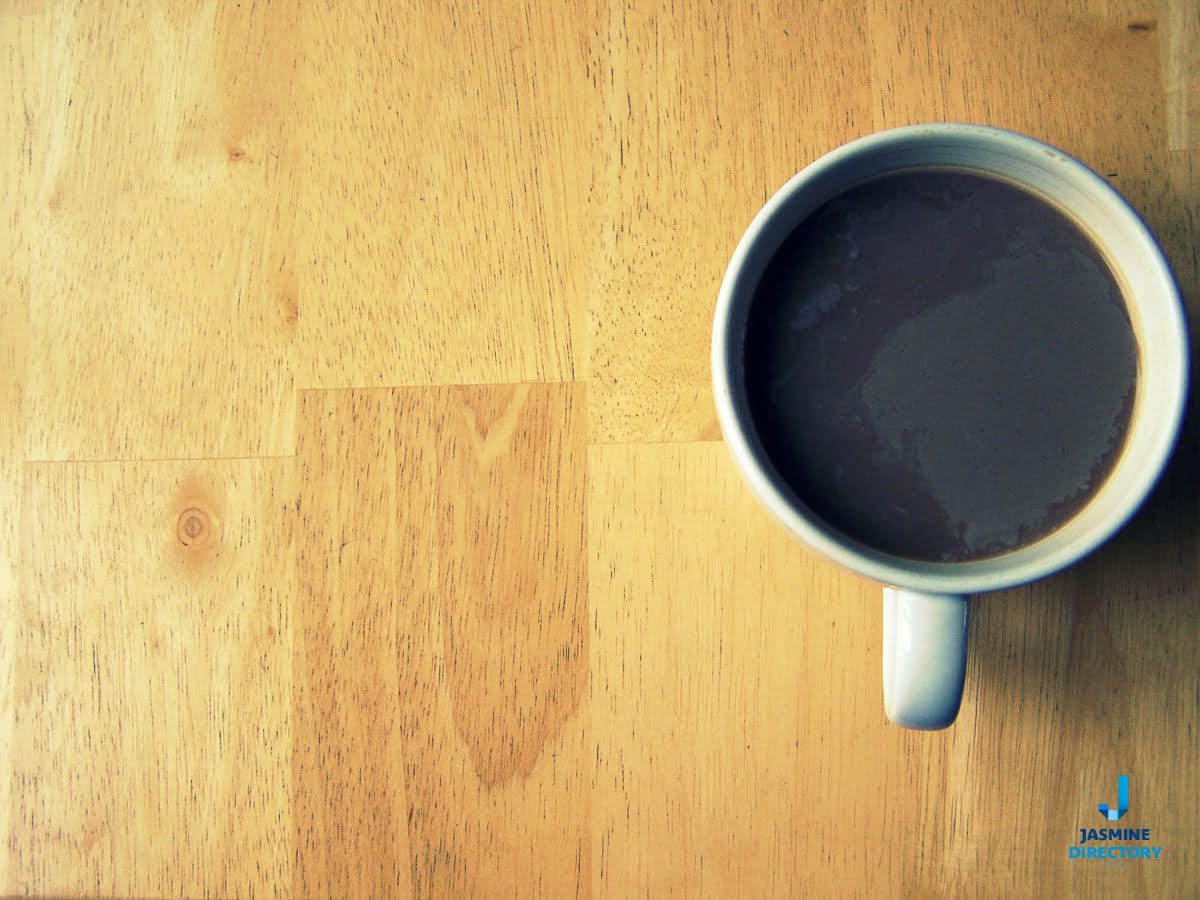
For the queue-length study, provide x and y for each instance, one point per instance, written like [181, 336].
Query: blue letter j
[1122, 800]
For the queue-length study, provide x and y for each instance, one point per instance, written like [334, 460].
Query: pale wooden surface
[365, 528]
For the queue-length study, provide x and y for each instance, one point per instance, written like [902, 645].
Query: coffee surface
[940, 365]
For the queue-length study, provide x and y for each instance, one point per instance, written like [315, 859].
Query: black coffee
[940, 365]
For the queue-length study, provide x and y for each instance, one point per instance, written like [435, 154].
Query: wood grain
[722, 647]
[441, 722]
[20, 38]
[448, 166]
[364, 527]
[152, 679]
[12, 337]
[349, 797]
[1182, 75]
[160, 320]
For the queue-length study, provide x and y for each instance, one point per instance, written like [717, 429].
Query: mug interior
[1150, 295]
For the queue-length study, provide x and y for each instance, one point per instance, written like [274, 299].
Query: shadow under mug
[925, 603]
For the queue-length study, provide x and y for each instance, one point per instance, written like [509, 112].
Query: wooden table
[365, 528]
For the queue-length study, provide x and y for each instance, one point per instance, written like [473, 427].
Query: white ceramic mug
[925, 604]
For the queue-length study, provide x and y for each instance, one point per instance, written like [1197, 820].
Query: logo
[1115, 844]
[1122, 800]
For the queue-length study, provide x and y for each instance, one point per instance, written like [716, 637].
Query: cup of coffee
[954, 360]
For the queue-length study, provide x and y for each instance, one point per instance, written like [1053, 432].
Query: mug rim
[1025, 563]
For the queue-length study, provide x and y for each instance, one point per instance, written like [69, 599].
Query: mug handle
[924, 657]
